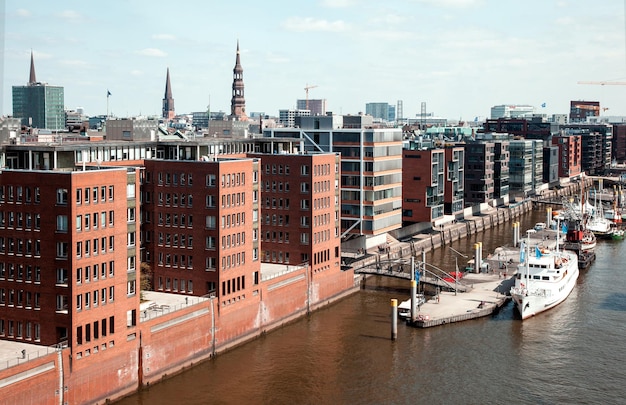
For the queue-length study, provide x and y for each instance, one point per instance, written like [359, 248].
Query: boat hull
[531, 303]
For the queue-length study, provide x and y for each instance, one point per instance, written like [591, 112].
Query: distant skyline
[461, 57]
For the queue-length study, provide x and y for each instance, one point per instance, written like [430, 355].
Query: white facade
[512, 111]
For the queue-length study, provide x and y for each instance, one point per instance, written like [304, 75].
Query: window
[131, 214]
[210, 222]
[130, 191]
[130, 287]
[79, 222]
[131, 238]
[62, 276]
[62, 248]
[79, 195]
[62, 196]
[110, 193]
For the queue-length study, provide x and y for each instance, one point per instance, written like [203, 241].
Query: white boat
[404, 309]
[544, 279]
[601, 227]
[540, 226]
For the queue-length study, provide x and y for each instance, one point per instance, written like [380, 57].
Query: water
[343, 354]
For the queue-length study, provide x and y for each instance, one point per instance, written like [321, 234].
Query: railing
[25, 355]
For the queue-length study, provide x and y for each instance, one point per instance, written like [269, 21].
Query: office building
[38, 104]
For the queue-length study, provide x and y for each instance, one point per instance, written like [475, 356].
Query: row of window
[323, 202]
[277, 169]
[89, 195]
[175, 260]
[173, 178]
[277, 186]
[20, 272]
[321, 236]
[19, 194]
[95, 246]
[172, 199]
[95, 330]
[233, 285]
[93, 221]
[276, 256]
[20, 330]
[91, 299]
[95, 272]
[175, 240]
[19, 246]
[20, 220]
[279, 220]
[172, 285]
[168, 219]
[20, 298]
[275, 236]
[281, 203]
[234, 179]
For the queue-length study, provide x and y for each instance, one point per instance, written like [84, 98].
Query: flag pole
[108, 94]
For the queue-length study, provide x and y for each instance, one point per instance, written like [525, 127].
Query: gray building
[371, 169]
[525, 167]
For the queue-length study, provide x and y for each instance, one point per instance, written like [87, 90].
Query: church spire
[168, 100]
[238, 102]
[32, 79]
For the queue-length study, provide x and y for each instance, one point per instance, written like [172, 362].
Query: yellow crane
[306, 89]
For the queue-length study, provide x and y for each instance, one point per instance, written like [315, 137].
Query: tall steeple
[168, 101]
[238, 102]
[32, 79]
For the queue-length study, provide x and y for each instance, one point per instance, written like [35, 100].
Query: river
[342, 354]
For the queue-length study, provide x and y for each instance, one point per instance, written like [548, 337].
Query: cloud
[299, 24]
[453, 3]
[70, 15]
[565, 20]
[22, 12]
[74, 63]
[136, 73]
[164, 37]
[338, 3]
[154, 52]
[275, 58]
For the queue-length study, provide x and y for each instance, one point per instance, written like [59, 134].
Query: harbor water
[343, 354]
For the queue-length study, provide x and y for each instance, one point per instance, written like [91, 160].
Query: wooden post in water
[394, 319]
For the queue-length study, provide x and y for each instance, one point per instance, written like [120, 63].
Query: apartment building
[68, 261]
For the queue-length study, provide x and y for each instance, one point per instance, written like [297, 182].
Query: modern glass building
[39, 105]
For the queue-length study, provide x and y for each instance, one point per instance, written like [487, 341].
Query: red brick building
[67, 269]
[570, 154]
[299, 208]
[200, 226]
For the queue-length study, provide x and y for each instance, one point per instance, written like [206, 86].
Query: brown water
[343, 354]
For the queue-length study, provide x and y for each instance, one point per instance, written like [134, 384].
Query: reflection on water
[343, 354]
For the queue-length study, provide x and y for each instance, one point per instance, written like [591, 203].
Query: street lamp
[456, 262]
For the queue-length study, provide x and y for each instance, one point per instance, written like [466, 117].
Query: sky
[460, 57]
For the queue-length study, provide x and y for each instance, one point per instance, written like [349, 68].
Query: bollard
[394, 319]
[476, 258]
[548, 216]
[480, 256]
[413, 299]
[515, 233]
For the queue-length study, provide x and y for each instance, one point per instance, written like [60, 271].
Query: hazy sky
[459, 56]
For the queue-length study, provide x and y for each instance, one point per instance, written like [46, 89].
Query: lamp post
[456, 262]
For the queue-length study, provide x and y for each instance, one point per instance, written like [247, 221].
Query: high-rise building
[315, 106]
[580, 110]
[378, 110]
[238, 101]
[168, 102]
[38, 104]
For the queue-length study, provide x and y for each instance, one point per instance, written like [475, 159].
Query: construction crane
[306, 89]
[604, 83]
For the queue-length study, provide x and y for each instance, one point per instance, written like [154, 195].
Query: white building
[512, 111]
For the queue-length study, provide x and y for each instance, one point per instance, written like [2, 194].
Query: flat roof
[11, 352]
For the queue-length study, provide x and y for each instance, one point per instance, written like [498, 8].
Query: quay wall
[162, 346]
